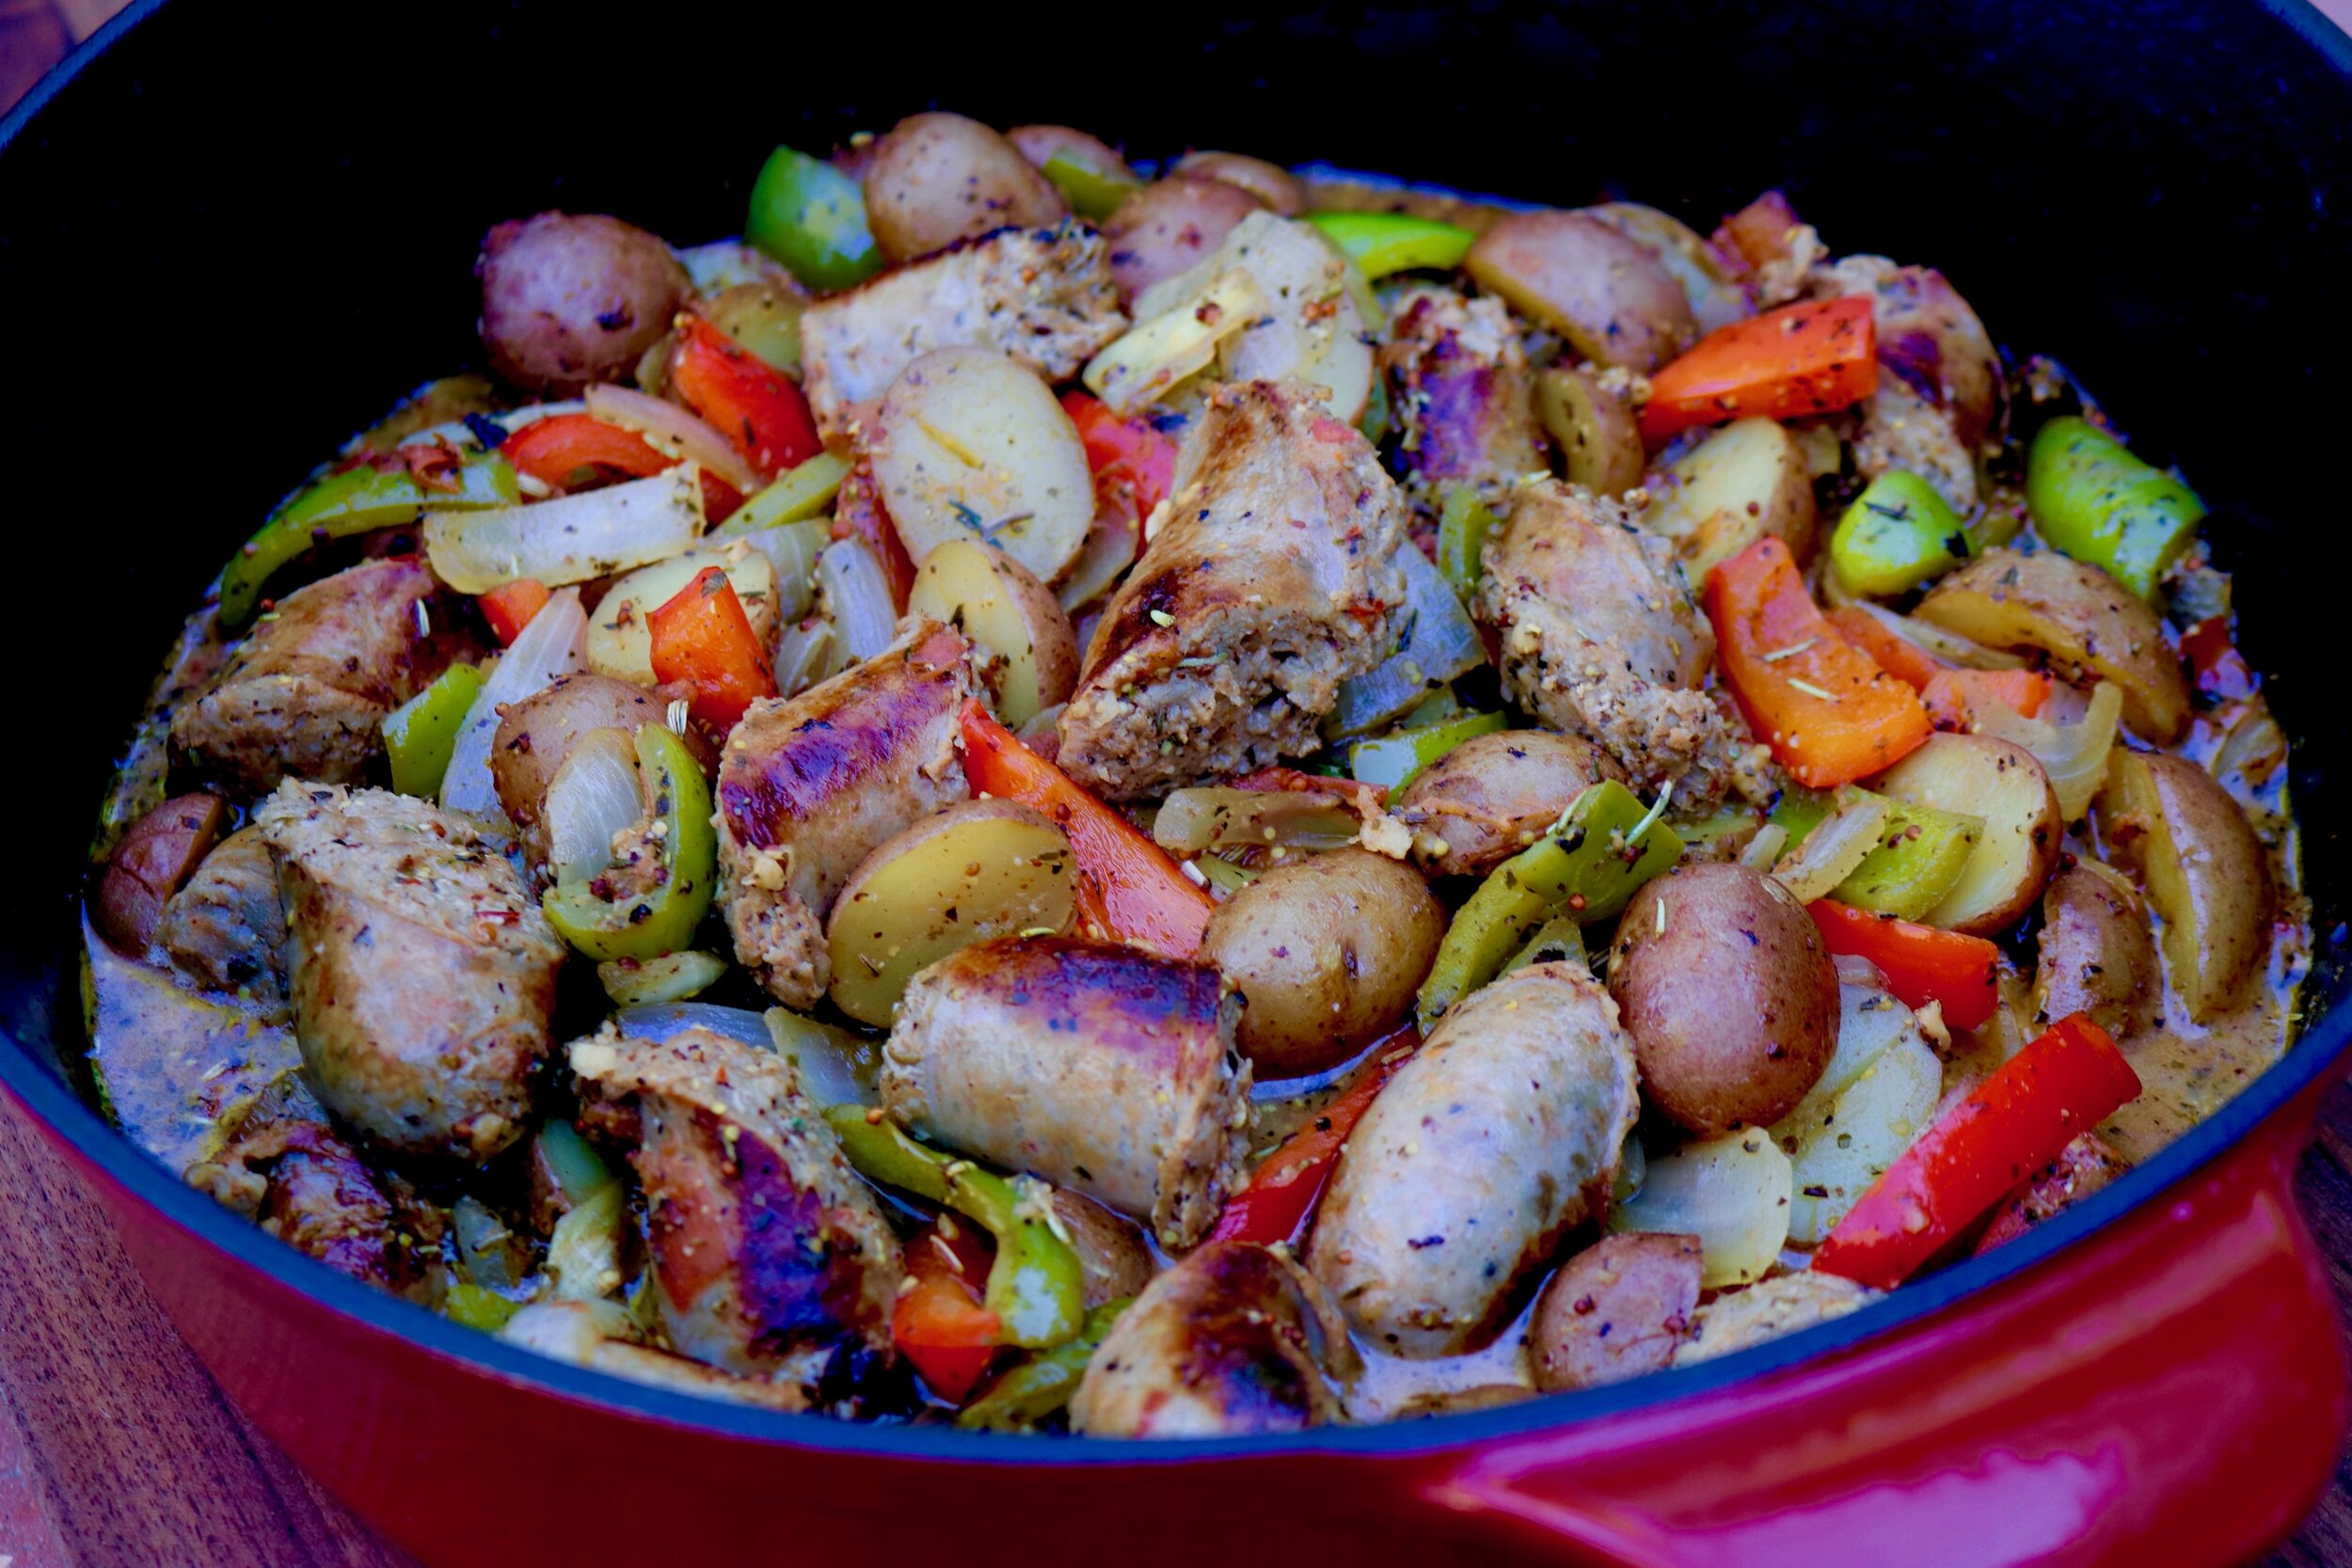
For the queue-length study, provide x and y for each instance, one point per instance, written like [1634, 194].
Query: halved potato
[969, 444]
[2081, 617]
[2205, 869]
[619, 644]
[1748, 479]
[1271, 184]
[939, 178]
[2004, 783]
[999, 604]
[1732, 1193]
[1717, 298]
[1608, 295]
[978, 869]
[1590, 413]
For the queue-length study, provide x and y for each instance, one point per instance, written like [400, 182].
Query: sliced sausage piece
[1615, 1311]
[2098, 953]
[1940, 392]
[1493, 795]
[1769, 1309]
[1042, 295]
[307, 696]
[310, 1189]
[1463, 397]
[1097, 1067]
[769, 1251]
[1600, 638]
[1268, 583]
[1499, 1137]
[2083, 1167]
[1235, 1338]
[810, 785]
[422, 973]
[225, 928]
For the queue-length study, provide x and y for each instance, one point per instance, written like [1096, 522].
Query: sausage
[2084, 1167]
[810, 785]
[225, 928]
[310, 1189]
[1600, 638]
[2097, 953]
[1493, 795]
[1463, 397]
[1615, 1311]
[1499, 1137]
[1225, 647]
[1766, 1311]
[1235, 1338]
[769, 1251]
[1097, 1067]
[568, 299]
[307, 696]
[422, 973]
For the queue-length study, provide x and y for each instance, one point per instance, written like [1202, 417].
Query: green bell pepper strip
[811, 216]
[357, 500]
[1462, 530]
[578, 1170]
[799, 493]
[1022, 1399]
[1383, 242]
[1037, 1288]
[670, 977]
[477, 1308]
[422, 733]
[1921, 853]
[1603, 847]
[1561, 940]
[2093, 501]
[1091, 194]
[1897, 533]
[1392, 760]
[662, 921]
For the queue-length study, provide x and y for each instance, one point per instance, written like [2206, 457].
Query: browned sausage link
[225, 928]
[1493, 795]
[768, 1251]
[809, 787]
[159, 852]
[1615, 1311]
[309, 1188]
[1235, 1338]
[2083, 1167]
[1095, 1067]
[1465, 396]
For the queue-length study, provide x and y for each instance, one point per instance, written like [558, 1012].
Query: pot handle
[2171, 1389]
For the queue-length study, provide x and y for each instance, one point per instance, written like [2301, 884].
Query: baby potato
[1609, 296]
[1728, 992]
[976, 870]
[1594, 423]
[939, 178]
[2204, 869]
[1170, 226]
[154, 857]
[2001, 782]
[1013, 618]
[969, 443]
[1613, 1311]
[1041, 144]
[2097, 954]
[1329, 951]
[570, 299]
[1744, 482]
[2081, 617]
[620, 644]
[1493, 795]
[1717, 298]
[1271, 184]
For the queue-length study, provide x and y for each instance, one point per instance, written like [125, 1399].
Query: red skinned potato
[1609, 296]
[1615, 1311]
[939, 178]
[571, 299]
[1170, 226]
[160, 852]
[1040, 143]
[1271, 184]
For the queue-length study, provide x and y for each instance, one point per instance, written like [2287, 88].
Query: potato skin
[1610, 297]
[568, 299]
[1271, 184]
[2203, 868]
[986, 594]
[1613, 1311]
[2098, 955]
[1171, 225]
[1493, 795]
[1329, 951]
[939, 178]
[536, 735]
[1729, 995]
[1039, 143]
[159, 852]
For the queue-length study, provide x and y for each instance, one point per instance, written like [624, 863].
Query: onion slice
[837, 1068]
[857, 600]
[1947, 645]
[2075, 755]
[1832, 850]
[667, 428]
[1440, 643]
[553, 645]
[592, 797]
[569, 539]
[804, 656]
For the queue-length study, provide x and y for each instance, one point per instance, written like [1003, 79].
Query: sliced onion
[667, 428]
[1765, 847]
[724, 264]
[657, 1021]
[1831, 851]
[1108, 551]
[1440, 643]
[857, 599]
[804, 656]
[1947, 645]
[555, 644]
[2255, 750]
[672, 977]
[792, 550]
[569, 539]
[459, 434]
[592, 795]
[2075, 755]
[1217, 818]
[837, 1068]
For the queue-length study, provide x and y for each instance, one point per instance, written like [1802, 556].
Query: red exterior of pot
[2171, 1391]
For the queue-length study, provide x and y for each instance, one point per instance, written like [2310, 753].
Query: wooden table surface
[116, 1450]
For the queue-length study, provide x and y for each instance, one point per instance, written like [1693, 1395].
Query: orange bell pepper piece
[510, 606]
[939, 1324]
[1805, 358]
[1129, 451]
[1128, 888]
[1898, 656]
[762, 415]
[1830, 715]
[554, 450]
[703, 639]
[1954, 697]
[1921, 963]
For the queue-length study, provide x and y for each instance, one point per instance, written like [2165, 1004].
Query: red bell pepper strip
[762, 415]
[2221, 669]
[1898, 656]
[1283, 1191]
[2010, 1126]
[1123, 451]
[1954, 697]
[857, 513]
[1810, 357]
[1127, 885]
[1830, 715]
[1921, 963]
[510, 606]
[554, 450]
[703, 639]
[940, 1324]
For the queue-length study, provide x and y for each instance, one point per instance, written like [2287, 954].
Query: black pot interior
[238, 233]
